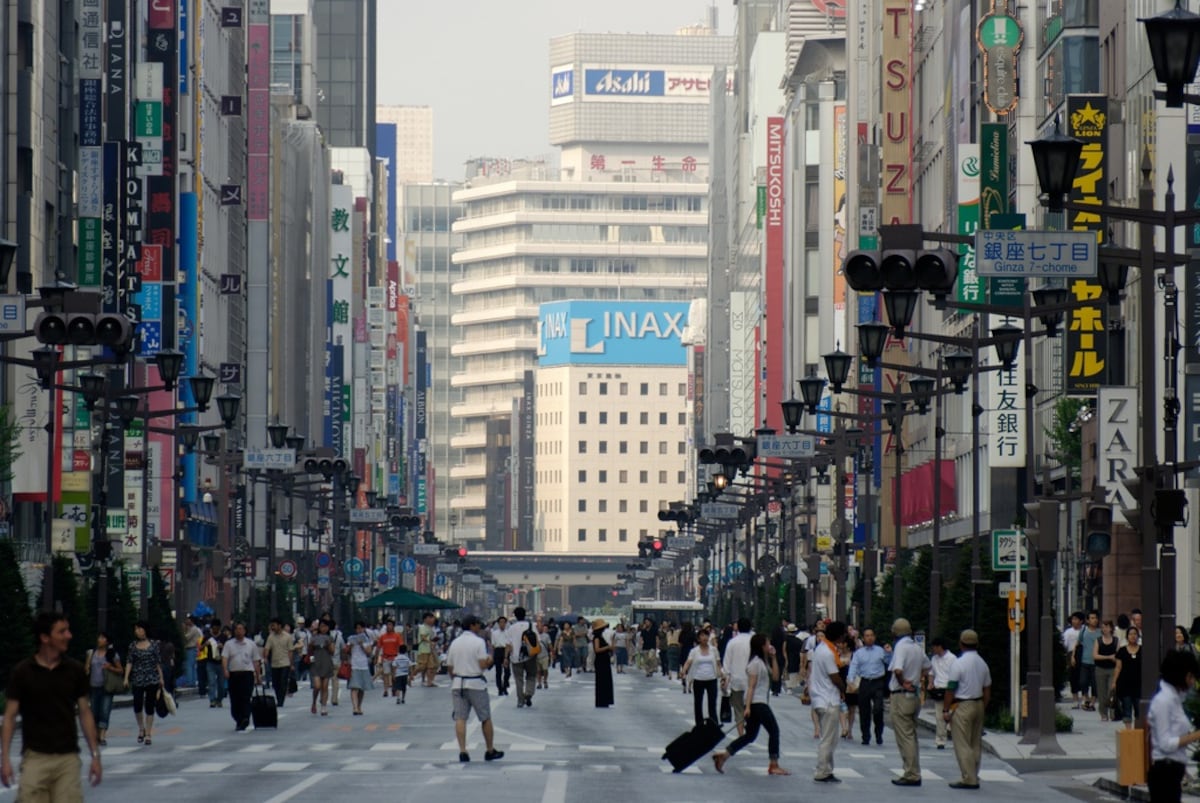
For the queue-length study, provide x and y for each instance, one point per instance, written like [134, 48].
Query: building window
[643, 507]
[603, 416]
[603, 478]
[624, 418]
[644, 419]
[645, 388]
[683, 447]
[603, 447]
[662, 478]
[682, 477]
[622, 535]
[643, 477]
[644, 447]
[662, 447]
[583, 447]
[583, 388]
[583, 417]
[683, 419]
[623, 447]
[583, 506]
[623, 506]
[603, 535]
[662, 388]
[662, 419]
[603, 388]
[582, 476]
[623, 476]
[582, 534]
[624, 388]
[603, 506]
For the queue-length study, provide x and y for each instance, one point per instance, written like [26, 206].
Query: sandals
[141, 736]
[148, 742]
[719, 760]
[777, 771]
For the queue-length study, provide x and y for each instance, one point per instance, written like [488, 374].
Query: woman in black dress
[603, 665]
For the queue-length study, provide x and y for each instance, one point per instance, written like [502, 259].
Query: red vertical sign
[773, 283]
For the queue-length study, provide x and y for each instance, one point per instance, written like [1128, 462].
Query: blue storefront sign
[612, 333]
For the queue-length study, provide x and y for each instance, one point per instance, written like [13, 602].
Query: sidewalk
[1089, 739]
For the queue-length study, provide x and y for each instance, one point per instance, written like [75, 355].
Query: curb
[1127, 792]
[987, 746]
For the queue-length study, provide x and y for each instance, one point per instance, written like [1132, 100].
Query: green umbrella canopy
[407, 599]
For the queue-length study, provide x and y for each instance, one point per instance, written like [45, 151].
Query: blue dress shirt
[868, 662]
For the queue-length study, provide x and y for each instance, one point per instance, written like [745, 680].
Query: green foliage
[1063, 722]
[121, 613]
[991, 620]
[1066, 440]
[71, 600]
[163, 625]
[16, 636]
[998, 719]
[10, 442]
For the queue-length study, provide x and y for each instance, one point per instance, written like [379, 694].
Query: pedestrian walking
[241, 661]
[106, 677]
[828, 693]
[358, 648]
[499, 638]
[935, 684]
[1087, 659]
[967, 694]
[737, 657]
[144, 675]
[402, 665]
[907, 670]
[545, 657]
[320, 668]
[603, 666]
[48, 691]
[703, 670]
[277, 655]
[1070, 640]
[387, 647]
[621, 641]
[583, 654]
[427, 654]
[868, 671]
[566, 650]
[1171, 730]
[1127, 678]
[762, 668]
[1104, 658]
[466, 660]
[216, 679]
[191, 647]
[339, 647]
[521, 655]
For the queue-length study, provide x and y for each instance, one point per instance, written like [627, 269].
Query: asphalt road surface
[561, 749]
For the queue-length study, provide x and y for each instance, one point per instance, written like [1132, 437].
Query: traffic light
[1041, 526]
[462, 553]
[102, 549]
[111, 330]
[934, 270]
[1097, 537]
[656, 547]
[404, 521]
[1170, 507]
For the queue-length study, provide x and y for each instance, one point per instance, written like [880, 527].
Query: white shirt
[1168, 722]
[338, 644]
[737, 655]
[704, 666]
[971, 674]
[941, 668]
[909, 658]
[242, 656]
[463, 659]
[360, 650]
[762, 681]
[1070, 638]
[514, 631]
[499, 637]
[821, 688]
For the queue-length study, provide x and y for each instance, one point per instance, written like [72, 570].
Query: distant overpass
[519, 569]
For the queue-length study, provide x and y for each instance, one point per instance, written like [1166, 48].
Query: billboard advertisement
[1086, 350]
[612, 333]
[775, 378]
[634, 83]
[562, 84]
[896, 88]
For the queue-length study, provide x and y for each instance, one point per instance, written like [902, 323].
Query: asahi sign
[1117, 444]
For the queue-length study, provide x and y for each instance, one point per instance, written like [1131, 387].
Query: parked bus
[664, 610]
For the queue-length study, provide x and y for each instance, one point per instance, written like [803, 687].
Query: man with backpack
[521, 656]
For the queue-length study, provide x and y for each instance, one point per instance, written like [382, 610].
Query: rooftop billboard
[612, 333]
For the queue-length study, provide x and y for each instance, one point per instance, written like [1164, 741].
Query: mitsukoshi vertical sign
[774, 284]
[896, 88]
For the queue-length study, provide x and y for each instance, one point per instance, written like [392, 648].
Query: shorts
[51, 777]
[543, 660]
[426, 661]
[386, 668]
[361, 679]
[467, 699]
[737, 700]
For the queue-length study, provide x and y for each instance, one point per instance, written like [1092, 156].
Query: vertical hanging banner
[1086, 350]
[162, 48]
[419, 424]
[896, 87]
[970, 286]
[773, 285]
[841, 146]
[258, 112]
[341, 251]
[1000, 36]
[1191, 302]
[1117, 446]
[1006, 415]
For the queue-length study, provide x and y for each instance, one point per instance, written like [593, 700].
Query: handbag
[726, 709]
[344, 670]
[114, 682]
[160, 705]
[1115, 709]
[169, 701]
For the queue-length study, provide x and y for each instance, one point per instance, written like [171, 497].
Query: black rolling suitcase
[262, 709]
[694, 744]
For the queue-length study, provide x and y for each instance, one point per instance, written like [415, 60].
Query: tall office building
[623, 219]
[413, 133]
[294, 51]
[346, 57]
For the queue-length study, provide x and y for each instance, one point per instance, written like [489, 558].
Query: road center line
[288, 794]
[556, 787]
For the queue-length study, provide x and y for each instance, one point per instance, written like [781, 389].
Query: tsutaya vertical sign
[774, 284]
[1087, 339]
[1117, 443]
[896, 52]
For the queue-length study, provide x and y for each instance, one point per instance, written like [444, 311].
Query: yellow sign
[824, 543]
[76, 481]
[1016, 611]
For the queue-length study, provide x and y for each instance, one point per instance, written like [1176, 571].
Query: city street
[561, 747]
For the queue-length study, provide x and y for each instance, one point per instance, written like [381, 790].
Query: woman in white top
[703, 669]
[1170, 729]
[760, 671]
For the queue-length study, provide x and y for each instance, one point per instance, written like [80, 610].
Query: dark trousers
[280, 681]
[1165, 780]
[241, 688]
[761, 716]
[870, 706]
[503, 671]
[699, 689]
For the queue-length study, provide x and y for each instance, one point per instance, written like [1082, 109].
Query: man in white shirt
[737, 656]
[499, 638]
[936, 682]
[828, 693]
[524, 666]
[242, 662]
[968, 692]
[466, 660]
[1070, 638]
[906, 669]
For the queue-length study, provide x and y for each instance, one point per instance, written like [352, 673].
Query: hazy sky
[484, 65]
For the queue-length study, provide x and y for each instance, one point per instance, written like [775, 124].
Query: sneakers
[492, 755]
